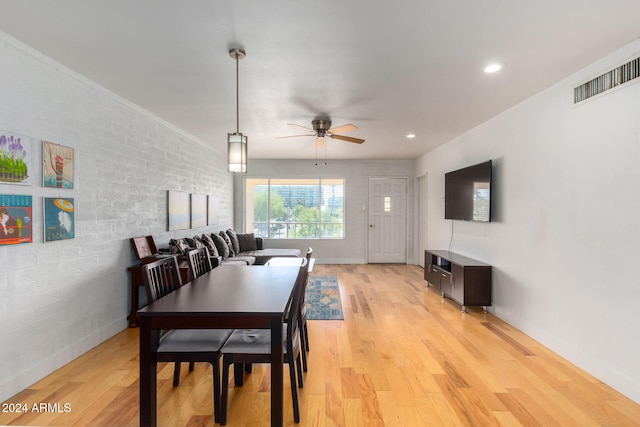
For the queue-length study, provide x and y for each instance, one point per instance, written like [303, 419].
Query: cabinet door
[457, 283]
[445, 282]
[477, 289]
[433, 276]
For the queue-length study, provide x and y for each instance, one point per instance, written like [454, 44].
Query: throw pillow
[198, 242]
[210, 244]
[228, 242]
[221, 245]
[190, 242]
[178, 246]
[234, 240]
[247, 242]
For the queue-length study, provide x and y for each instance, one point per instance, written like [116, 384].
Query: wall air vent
[609, 80]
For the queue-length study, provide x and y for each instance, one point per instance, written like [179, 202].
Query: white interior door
[387, 220]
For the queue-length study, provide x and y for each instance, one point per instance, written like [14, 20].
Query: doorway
[387, 220]
[422, 218]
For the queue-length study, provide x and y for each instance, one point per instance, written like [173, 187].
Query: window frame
[269, 179]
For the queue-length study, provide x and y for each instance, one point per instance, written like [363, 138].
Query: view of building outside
[295, 208]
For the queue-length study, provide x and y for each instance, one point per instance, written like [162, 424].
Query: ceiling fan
[322, 128]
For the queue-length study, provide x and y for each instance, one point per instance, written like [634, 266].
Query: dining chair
[302, 320]
[248, 346]
[183, 345]
[199, 262]
[303, 315]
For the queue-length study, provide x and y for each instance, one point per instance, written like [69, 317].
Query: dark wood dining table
[229, 296]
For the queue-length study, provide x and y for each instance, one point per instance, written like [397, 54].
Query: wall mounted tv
[467, 193]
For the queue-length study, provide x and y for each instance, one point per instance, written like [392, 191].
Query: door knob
[371, 225]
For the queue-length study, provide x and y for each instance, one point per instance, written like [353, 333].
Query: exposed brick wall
[59, 299]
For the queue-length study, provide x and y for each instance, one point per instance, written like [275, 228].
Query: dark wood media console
[464, 280]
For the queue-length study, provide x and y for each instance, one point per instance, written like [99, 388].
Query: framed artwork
[15, 158]
[15, 219]
[59, 218]
[213, 212]
[57, 165]
[198, 210]
[178, 210]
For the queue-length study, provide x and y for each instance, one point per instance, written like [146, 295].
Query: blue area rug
[322, 298]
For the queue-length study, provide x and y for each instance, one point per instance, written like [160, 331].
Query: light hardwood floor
[401, 357]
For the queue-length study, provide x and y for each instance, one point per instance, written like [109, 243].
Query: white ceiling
[389, 67]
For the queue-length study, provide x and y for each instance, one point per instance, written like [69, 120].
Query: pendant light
[237, 142]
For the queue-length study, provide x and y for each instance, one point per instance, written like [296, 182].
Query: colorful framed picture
[59, 218]
[198, 210]
[178, 210]
[213, 212]
[15, 158]
[57, 165]
[15, 219]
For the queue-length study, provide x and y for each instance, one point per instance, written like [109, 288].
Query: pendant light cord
[237, 54]
[237, 95]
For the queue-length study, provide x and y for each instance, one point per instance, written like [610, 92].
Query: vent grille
[609, 80]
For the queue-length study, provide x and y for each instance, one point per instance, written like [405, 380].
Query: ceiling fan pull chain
[325, 153]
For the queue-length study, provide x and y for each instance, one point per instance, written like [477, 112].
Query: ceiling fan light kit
[236, 141]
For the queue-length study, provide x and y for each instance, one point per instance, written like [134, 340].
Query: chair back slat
[161, 278]
[199, 262]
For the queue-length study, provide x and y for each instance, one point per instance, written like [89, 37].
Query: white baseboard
[34, 374]
[340, 261]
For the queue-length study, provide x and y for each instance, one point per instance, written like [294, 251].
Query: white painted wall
[353, 248]
[59, 299]
[566, 235]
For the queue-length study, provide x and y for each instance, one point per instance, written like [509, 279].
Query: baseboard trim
[340, 261]
[27, 378]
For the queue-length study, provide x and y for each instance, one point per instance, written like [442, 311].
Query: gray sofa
[229, 247]
[262, 255]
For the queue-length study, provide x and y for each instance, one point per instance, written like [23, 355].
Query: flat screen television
[467, 193]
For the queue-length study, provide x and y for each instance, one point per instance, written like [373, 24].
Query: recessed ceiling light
[492, 68]
[411, 135]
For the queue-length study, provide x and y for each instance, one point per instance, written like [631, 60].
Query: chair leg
[303, 340]
[294, 391]
[306, 335]
[298, 362]
[176, 374]
[226, 364]
[238, 374]
[304, 355]
[216, 388]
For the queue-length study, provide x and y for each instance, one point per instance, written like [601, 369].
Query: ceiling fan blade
[348, 139]
[343, 129]
[301, 127]
[320, 142]
[295, 136]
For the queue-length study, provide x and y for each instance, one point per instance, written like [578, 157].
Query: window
[295, 208]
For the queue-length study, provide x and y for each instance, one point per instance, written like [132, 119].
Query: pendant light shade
[236, 153]
[236, 141]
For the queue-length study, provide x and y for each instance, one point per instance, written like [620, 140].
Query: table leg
[148, 373]
[136, 281]
[277, 387]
